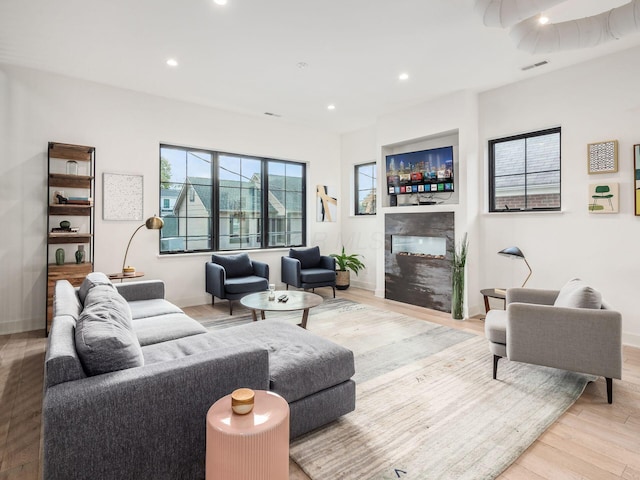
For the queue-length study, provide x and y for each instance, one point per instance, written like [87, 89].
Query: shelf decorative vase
[60, 256]
[72, 167]
[80, 254]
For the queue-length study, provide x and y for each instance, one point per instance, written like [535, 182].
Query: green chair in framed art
[602, 192]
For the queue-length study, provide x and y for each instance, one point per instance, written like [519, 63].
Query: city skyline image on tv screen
[424, 171]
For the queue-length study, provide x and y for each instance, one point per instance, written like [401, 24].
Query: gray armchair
[232, 277]
[306, 268]
[570, 329]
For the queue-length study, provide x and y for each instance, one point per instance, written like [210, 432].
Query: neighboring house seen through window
[524, 172]
[222, 201]
[365, 189]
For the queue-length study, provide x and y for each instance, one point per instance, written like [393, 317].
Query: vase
[80, 254]
[72, 167]
[60, 256]
[457, 293]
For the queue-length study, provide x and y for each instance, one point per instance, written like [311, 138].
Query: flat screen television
[425, 171]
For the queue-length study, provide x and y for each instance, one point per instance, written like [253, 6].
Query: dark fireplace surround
[417, 259]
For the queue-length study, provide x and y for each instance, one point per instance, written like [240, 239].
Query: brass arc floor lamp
[152, 223]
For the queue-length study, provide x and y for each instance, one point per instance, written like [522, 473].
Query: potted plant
[345, 263]
[457, 277]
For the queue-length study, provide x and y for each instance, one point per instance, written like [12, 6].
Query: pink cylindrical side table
[254, 446]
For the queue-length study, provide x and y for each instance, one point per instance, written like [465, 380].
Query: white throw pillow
[577, 294]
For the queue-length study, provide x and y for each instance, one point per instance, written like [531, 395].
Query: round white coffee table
[297, 301]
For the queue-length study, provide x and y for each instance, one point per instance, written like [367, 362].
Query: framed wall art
[122, 196]
[602, 157]
[636, 178]
[604, 197]
[327, 205]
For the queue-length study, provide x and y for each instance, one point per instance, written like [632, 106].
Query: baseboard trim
[20, 326]
[631, 340]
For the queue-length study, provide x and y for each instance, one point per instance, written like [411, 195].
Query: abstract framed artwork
[604, 197]
[122, 196]
[636, 178]
[327, 209]
[602, 157]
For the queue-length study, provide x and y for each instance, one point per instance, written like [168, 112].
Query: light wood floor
[592, 440]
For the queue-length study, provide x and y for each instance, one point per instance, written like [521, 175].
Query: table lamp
[515, 252]
[152, 223]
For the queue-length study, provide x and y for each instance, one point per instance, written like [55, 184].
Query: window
[365, 189]
[524, 172]
[222, 201]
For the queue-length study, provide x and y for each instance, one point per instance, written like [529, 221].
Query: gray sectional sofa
[129, 379]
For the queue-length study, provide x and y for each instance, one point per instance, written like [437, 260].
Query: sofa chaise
[137, 408]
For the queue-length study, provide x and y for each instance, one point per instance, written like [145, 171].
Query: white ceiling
[243, 56]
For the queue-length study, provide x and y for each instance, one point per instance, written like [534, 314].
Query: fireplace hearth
[418, 258]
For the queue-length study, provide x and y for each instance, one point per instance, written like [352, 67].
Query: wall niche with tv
[422, 171]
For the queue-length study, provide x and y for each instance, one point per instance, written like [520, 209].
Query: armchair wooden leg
[287, 286]
[334, 291]
[230, 307]
[495, 365]
[609, 390]
[213, 300]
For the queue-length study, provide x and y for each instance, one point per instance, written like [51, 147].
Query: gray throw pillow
[309, 257]
[234, 265]
[577, 294]
[90, 281]
[105, 340]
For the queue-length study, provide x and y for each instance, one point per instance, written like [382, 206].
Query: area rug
[426, 405]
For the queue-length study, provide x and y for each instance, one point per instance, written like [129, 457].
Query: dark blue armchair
[306, 268]
[232, 277]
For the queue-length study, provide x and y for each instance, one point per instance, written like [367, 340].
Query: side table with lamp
[152, 223]
[500, 293]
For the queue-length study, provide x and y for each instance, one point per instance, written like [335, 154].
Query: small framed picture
[604, 197]
[636, 178]
[122, 196]
[602, 157]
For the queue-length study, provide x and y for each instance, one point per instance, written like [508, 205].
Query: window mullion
[264, 210]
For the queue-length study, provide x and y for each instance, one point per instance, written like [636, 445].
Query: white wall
[592, 102]
[126, 128]
[358, 232]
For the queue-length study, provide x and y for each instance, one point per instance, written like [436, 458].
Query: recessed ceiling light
[302, 65]
[403, 76]
[331, 107]
[220, 2]
[543, 20]
[172, 62]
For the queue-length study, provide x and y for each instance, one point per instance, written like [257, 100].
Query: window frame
[492, 172]
[356, 188]
[215, 218]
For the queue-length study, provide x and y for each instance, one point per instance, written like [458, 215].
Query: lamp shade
[515, 252]
[511, 252]
[154, 223]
